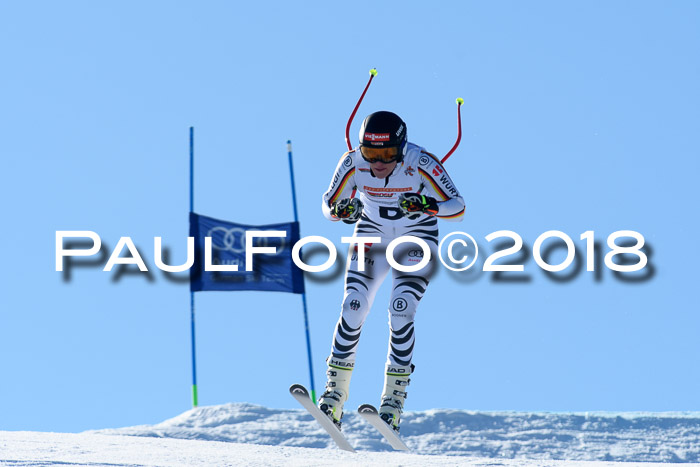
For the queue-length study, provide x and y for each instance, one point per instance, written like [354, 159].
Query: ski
[370, 414]
[301, 394]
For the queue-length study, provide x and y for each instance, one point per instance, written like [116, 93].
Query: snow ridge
[625, 437]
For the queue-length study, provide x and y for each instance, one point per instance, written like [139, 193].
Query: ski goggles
[385, 155]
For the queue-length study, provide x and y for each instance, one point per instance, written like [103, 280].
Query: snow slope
[628, 437]
[86, 449]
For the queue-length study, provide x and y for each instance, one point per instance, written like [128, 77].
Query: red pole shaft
[459, 131]
[372, 73]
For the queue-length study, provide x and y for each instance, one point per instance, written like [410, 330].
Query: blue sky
[578, 116]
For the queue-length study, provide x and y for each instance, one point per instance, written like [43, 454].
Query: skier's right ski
[301, 394]
[370, 414]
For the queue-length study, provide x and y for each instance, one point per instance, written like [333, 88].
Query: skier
[403, 190]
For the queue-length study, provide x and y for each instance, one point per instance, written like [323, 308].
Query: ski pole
[459, 101]
[372, 74]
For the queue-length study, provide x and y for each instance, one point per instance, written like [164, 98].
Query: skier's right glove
[347, 210]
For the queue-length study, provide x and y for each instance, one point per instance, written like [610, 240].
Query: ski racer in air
[403, 190]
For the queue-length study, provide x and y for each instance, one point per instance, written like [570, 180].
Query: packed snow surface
[626, 437]
[249, 435]
[86, 449]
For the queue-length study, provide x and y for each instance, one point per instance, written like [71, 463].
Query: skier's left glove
[414, 203]
[347, 210]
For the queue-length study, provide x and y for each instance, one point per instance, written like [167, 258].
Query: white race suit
[419, 172]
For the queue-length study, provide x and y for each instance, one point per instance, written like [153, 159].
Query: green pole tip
[373, 72]
[459, 101]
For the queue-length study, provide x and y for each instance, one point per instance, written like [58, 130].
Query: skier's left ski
[301, 394]
[370, 414]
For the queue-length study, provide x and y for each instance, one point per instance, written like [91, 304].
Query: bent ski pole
[372, 73]
[459, 101]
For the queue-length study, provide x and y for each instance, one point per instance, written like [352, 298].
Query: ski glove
[347, 210]
[413, 203]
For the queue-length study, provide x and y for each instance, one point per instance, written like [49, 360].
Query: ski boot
[337, 388]
[394, 395]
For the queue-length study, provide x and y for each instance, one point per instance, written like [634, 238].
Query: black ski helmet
[384, 130]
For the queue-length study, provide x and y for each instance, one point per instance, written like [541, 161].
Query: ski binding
[301, 394]
[369, 413]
